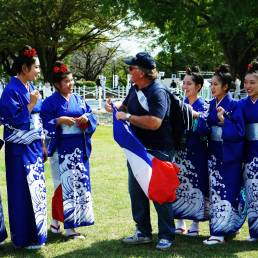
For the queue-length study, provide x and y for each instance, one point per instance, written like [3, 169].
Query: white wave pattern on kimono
[36, 183]
[26, 136]
[251, 188]
[224, 217]
[77, 200]
[190, 200]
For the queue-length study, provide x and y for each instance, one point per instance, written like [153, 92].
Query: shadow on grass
[8, 249]
[183, 247]
[55, 238]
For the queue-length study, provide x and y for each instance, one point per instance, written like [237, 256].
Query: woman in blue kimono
[250, 109]
[69, 124]
[192, 194]
[225, 150]
[19, 112]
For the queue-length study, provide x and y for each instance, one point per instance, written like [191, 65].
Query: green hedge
[91, 84]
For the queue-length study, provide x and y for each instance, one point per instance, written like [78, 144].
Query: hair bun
[188, 70]
[193, 69]
[25, 48]
[253, 67]
[58, 63]
[60, 71]
[224, 68]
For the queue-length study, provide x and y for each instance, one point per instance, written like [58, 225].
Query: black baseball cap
[142, 59]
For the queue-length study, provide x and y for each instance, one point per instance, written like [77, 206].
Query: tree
[118, 67]
[172, 59]
[88, 63]
[54, 28]
[228, 26]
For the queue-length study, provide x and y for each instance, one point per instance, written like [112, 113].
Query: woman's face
[217, 89]
[34, 71]
[251, 85]
[190, 87]
[66, 85]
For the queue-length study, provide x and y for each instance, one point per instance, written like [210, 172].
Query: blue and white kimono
[70, 148]
[23, 134]
[225, 150]
[250, 111]
[193, 192]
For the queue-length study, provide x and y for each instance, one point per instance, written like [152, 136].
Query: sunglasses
[131, 68]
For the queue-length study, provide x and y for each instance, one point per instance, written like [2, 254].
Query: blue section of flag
[126, 139]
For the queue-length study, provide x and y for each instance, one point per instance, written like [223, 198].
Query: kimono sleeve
[234, 127]
[200, 124]
[92, 120]
[13, 110]
[48, 116]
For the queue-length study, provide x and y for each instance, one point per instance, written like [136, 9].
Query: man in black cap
[146, 107]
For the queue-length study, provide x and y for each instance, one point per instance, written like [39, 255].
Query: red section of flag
[164, 181]
[57, 205]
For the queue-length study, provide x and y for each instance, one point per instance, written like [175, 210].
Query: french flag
[158, 179]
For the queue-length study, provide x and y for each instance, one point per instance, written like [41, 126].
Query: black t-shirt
[158, 102]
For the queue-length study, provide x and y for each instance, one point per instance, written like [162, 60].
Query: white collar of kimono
[253, 101]
[67, 97]
[218, 103]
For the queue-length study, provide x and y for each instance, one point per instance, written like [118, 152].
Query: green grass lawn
[113, 219]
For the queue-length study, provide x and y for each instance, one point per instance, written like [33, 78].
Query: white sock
[180, 224]
[221, 238]
[69, 231]
[194, 226]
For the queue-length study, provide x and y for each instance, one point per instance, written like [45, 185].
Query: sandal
[34, 247]
[251, 239]
[76, 236]
[192, 232]
[213, 241]
[54, 229]
[180, 231]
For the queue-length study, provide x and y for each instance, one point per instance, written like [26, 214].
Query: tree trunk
[47, 57]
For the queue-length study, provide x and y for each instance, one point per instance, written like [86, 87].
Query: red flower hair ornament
[30, 52]
[62, 69]
[249, 67]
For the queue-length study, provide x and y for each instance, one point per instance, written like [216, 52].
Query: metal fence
[96, 96]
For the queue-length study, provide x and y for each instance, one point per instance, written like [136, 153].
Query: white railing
[97, 95]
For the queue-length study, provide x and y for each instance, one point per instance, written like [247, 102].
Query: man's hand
[121, 116]
[108, 105]
[118, 104]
